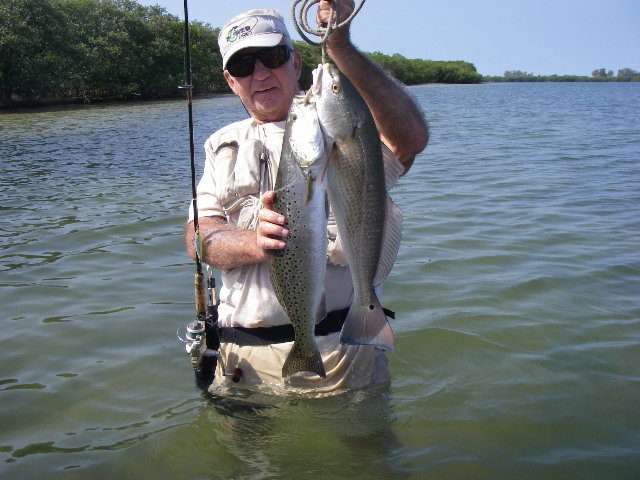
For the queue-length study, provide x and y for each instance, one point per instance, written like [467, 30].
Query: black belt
[261, 336]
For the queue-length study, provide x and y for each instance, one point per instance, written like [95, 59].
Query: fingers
[267, 199]
[271, 223]
[270, 230]
[345, 8]
[322, 15]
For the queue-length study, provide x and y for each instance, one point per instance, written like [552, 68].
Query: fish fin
[367, 325]
[327, 158]
[308, 188]
[307, 98]
[393, 169]
[299, 362]
[316, 84]
[390, 241]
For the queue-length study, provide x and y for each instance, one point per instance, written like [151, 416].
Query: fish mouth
[316, 86]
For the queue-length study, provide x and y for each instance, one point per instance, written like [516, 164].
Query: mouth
[262, 90]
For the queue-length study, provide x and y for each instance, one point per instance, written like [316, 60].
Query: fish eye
[335, 87]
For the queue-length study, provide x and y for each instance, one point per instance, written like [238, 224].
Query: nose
[260, 72]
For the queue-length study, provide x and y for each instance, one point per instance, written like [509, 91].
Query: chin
[267, 118]
[271, 114]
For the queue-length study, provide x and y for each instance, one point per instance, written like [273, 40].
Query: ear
[297, 63]
[230, 81]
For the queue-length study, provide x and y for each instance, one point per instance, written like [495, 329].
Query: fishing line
[189, 92]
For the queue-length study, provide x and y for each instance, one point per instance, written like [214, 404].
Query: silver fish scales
[369, 223]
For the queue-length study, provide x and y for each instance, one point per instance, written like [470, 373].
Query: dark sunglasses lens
[274, 57]
[244, 64]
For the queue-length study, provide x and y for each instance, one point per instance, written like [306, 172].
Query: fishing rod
[202, 340]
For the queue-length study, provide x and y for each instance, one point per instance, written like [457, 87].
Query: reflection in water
[265, 436]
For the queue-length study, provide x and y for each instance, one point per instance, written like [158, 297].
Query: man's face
[267, 93]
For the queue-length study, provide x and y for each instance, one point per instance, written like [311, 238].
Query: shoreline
[33, 104]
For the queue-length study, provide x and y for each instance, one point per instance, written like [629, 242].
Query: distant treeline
[417, 71]
[407, 71]
[53, 51]
[599, 75]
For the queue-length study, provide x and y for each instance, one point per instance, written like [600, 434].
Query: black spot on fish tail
[365, 325]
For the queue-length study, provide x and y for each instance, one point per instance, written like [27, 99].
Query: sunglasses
[244, 63]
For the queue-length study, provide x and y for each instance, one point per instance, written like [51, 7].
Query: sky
[542, 37]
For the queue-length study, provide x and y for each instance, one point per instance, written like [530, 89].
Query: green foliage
[88, 49]
[598, 75]
[628, 73]
[517, 74]
[34, 48]
[417, 71]
[560, 78]
[311, 57]
[602, 73]
[57, 50]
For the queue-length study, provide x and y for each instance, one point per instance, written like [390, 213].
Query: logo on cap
[241, 31]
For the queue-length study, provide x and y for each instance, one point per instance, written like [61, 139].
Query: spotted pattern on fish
[297, 271]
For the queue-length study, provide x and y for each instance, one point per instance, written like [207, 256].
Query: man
[235, 199]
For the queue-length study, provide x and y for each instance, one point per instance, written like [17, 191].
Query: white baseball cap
[254, 28]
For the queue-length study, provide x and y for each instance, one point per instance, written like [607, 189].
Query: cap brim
[261, 40]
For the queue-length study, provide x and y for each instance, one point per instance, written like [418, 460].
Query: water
[517, 292]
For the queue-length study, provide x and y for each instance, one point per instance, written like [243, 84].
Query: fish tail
[366, 324]
[299, 361]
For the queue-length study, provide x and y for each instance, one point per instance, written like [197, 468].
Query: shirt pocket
[248, 167]
[238, 189]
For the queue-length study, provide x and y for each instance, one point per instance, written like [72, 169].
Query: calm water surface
[517, 292]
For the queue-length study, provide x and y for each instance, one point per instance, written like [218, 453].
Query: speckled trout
[298, 271]
[369, 223]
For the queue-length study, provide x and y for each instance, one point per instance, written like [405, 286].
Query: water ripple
[515, 292]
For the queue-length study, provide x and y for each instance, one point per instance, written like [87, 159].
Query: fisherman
[238, 226]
